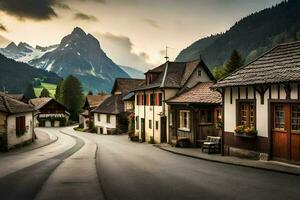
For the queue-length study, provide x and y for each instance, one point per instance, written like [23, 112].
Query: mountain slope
[15, 76]
[80, 54]
[251, 36]
[133, 73]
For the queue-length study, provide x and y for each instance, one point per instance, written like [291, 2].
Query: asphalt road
[88, 166]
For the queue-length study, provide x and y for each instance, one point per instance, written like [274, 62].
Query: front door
[286, 132]
[143, 130]
[163, 129]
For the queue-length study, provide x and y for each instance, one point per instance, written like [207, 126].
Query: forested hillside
[16, 76]
[251, 36]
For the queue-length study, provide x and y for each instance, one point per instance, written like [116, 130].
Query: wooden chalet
[194, 114]
[262, 106]
[49, 112]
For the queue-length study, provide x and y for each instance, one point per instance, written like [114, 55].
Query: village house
[16, 123]
[19, 97]
[91, 102]
[110, 117]
[163, 83]
[49, 112]
[194, 115]
[262, 106]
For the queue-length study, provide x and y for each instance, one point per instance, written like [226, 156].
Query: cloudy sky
[132, 32]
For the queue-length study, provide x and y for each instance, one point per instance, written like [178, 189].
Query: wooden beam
[239, 93]
[278, 91]
[298, 91]
[246, 92]
[261, 90]
[270, 92]
[287, 89]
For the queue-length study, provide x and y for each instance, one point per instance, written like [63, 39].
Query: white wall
[103, 124]
[11, 129]
[150, 112]
[194, 79]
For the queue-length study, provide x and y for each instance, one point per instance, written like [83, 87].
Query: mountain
[133, 73]
[80, 54]
[23, 52]
[16, 76]
[251, 36]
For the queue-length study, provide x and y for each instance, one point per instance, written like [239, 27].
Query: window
[279, 117]
[171, 119]
[247, 114]
[150, 124]
[199, 72]
[140, 100]
[158, 99]
[108, 119]
[20, 126]
[185, 120]
[156, 125]
[99, 117]
[152, 99]
[137, 122]
[296, 117]
[206, 116]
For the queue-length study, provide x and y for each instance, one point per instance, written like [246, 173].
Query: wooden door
[163, 129]
[143, 134]
[286, 132]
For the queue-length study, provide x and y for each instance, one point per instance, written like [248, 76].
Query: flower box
[246, 132]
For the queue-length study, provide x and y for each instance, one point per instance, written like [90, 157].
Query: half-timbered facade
[49, 112]
[163, 83]
[262, 106]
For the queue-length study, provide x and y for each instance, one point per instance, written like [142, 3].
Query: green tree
[235, 61]
[58, 91]
[90, 93]
[218, 72]
[72, 96]
[298, 36]
[29, 92]
[45, 93]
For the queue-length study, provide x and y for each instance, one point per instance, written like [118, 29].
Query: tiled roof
[280, 64]
[95, 100]
[112, 105]
[40, 102]
[18, 97]
[13, 106]
[200, 94]
[125, 85]
[177, 74]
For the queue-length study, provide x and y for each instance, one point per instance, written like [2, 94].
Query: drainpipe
[163, 84]
[144, 114]
[153, 114]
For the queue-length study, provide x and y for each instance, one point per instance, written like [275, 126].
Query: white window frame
[182, 125]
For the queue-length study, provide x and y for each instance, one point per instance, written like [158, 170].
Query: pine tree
[58, 91]
[45, 93]
[235, 61]
[29, 92]
[72, 96]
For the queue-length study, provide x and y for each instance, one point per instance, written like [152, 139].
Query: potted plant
[244, 131]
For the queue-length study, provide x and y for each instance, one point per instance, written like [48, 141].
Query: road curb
[229, 163]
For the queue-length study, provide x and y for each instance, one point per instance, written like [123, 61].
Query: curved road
[89, 166]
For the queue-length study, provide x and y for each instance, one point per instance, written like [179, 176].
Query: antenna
[167, 57]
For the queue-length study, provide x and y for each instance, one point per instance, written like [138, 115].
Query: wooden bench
[212, 145]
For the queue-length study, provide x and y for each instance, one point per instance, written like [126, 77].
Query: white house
[16, 123]
[262, 106]
[163, 83]
[110, 117]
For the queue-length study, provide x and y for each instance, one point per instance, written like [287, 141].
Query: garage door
[57, 124]
[286, 132]
[48, 124]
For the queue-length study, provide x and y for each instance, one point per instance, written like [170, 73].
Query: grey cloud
[82, 16]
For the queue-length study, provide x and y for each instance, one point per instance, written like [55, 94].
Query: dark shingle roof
[40, 102]
[280, 64]
[178, 73]
[200, 94]
[125, 85]
[95, 100]
[13, 106]
[111, 105]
